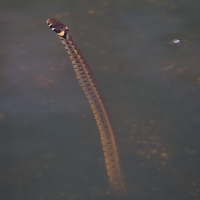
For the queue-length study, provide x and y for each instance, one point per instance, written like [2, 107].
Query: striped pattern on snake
[97, 103]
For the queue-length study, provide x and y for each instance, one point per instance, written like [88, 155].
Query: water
[50, 146]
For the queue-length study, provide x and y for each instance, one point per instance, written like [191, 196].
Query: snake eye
[51, 26]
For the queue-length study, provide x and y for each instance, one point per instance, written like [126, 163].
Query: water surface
[50, 146]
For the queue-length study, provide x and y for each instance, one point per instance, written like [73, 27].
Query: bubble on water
[175, 41]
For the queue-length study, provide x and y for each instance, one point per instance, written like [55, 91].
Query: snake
[99, 108]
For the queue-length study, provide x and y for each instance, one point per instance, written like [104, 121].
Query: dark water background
[49, 143]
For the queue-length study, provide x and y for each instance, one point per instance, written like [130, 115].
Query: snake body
[97, 103]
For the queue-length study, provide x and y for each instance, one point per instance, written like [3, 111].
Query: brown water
[50, 146]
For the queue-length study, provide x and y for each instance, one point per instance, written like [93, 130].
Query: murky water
[145, 56]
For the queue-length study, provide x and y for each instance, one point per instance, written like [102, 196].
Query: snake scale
[91, 89]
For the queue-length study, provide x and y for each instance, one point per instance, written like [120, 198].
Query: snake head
[57, 27]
